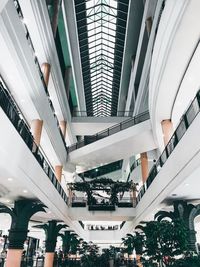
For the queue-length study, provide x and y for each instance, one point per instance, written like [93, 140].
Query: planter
[78, 204]
[102, 207]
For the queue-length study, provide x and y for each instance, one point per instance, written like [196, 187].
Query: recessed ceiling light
[10, 179]
[25, 191]
[187, 184]
[49, 211]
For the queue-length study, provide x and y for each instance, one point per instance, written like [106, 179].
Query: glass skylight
[101, 28]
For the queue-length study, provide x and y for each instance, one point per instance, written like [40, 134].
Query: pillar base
[49, 257]
[14, 257]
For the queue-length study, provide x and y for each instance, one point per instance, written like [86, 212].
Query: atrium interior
[99, 139]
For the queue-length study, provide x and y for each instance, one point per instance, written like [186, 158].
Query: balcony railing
[20, 14]
[125, 113]
[186, 120]
[81, 202]
[110, 131]
[7, 103]
[134, 165]
[102, 170]
[94, 227]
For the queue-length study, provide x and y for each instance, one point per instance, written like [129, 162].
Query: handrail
[84, 113]
[8, 105]
[110, 131]
[102, 170]
[20, 14]
[127, 202]
[185, 122]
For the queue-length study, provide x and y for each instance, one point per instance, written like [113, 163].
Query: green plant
[186, 212]
[109, 252]
[135, 241]
[112, 188]
[164, 240]
[187, 261]
[90, 256]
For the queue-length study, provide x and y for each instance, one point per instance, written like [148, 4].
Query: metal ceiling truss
[101, 31]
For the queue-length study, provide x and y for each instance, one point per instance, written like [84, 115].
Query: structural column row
[37, 124]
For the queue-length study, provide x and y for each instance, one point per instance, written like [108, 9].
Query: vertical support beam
[21, 213]
[138, 260]
[63, 127]
[54, 23]
[49, 258]
[51, 231]
[149, 23]
[14, 257]
[144, 166]
[167, 129]
[46, 68]
[36, 129]
[66, 238]
[133, 195]
[68, 71]
[58, 172]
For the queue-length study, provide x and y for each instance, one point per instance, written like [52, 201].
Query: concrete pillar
[46, 67]
[58, 172]
[21, 213]
[51, 231]
[68, 71]
[138, 257]
[49, 258]
[167, 129]
[149, 22]
[63, 127]
[133, 195]
[36, 129]
[13, 258]
[144, 166]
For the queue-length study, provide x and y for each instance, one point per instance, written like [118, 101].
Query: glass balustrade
[19, 11]
[110, 131]
[7, 103]
[184, 124]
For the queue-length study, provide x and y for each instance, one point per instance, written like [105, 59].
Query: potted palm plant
[109, 255]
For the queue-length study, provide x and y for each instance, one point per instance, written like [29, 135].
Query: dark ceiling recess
[103, 170]
[101, 28]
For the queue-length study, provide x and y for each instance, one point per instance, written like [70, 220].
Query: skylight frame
[101, 28]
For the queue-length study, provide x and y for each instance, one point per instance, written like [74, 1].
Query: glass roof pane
[100, 69]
